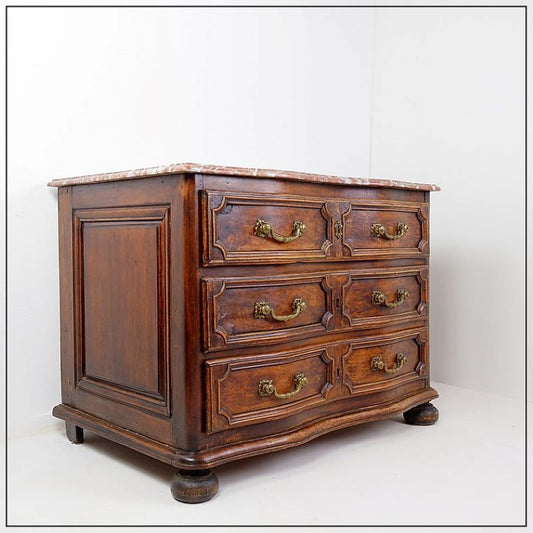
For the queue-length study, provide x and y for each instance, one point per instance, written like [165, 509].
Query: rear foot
[422, 415]
[74, 433]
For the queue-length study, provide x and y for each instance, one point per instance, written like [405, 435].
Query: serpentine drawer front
[255, 228]
[210, 314]
[257, 310]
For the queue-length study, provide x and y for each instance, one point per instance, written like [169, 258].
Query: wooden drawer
[249, 228]
[258, 228]
[245, 390]
[249, 390]
[381, 364]
[264, 309]
[385, 230]
[378, 297]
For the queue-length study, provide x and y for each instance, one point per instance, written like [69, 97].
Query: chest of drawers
[210, 314]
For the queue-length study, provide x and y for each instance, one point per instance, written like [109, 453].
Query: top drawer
[246, 228]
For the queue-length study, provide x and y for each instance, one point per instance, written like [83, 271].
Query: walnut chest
[209, 314]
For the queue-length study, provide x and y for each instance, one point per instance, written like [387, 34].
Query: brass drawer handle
[263, 310]
[378, 230]
[377, 363]
[264, 229]
[266, 388]
[378, 298]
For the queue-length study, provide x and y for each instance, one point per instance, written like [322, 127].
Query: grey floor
[467, 469]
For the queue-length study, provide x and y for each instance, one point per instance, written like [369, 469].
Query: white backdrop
[423, 95]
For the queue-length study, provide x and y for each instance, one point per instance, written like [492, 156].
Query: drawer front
[394, 229]
[264, 310]
[248, 228]
[250, 390]
[377, 365]
[383, 297]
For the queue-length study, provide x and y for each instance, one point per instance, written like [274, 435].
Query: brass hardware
[338, 229]
[264, 229]
[266, 387]
[378, 298]
[377, 363]
[263, 310]
[378, 230]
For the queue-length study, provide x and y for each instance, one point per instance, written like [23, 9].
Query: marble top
[188, 168]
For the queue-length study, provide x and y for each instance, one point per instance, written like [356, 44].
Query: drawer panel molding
[380, 364]
[265, 310]
[372, 298]
[248, 228]
[260, 310]
[385, 230]
[247, 390]
[240, 390]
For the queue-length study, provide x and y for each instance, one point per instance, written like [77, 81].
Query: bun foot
[422, 415]
[74, 433]
[194, 486]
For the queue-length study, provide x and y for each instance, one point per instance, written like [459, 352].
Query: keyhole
[338, 373]
[338, 304]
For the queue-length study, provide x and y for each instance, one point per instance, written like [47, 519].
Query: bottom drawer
[245, 390]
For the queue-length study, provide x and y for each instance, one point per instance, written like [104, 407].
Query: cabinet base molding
[217, 456]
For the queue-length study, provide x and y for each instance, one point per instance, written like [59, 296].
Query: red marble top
[182, 168]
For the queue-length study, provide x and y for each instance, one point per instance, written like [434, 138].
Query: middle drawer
[259, 310]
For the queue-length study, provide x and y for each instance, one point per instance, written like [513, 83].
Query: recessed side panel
[122, 300]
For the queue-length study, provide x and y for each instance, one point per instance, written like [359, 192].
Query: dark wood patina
[210, 314]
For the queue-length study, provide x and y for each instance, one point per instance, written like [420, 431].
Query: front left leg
[194, 486]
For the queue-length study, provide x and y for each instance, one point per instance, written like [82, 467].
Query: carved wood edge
[217, 456]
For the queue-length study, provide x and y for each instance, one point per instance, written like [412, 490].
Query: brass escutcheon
[338, 229]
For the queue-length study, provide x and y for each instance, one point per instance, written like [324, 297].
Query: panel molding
[420, 272]
[421, 210]
[215, 335]
[214, 250]
[420, 372]
[220, 370]
[158, 217]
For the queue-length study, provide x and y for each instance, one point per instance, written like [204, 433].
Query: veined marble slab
[195, 168]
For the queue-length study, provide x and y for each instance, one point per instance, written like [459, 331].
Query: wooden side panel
[122, 303]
